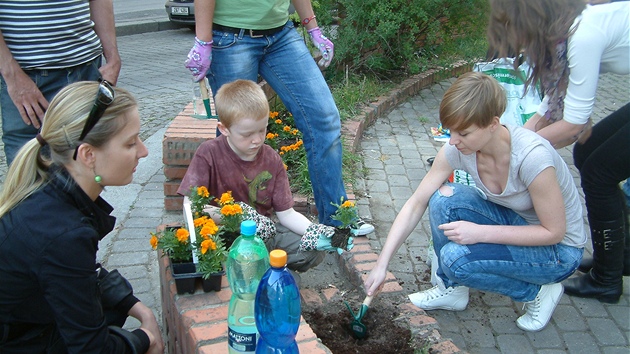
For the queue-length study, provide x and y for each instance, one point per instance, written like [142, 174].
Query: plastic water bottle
[247, 262]
[277, 308]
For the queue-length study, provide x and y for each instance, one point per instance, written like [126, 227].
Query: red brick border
[197, 323]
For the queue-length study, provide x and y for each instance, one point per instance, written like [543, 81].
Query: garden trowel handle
[204, 89]
[368, 300]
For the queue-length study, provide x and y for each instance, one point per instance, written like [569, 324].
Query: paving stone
[606, 332]
[516, 344]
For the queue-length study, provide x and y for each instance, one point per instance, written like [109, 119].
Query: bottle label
[242, 342]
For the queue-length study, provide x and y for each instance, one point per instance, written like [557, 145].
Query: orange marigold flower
[226, 198]
[286, 128]
[203, 192]
[294, 131]
[273, 114]
[347, 204]
[209, 228]
[182, 235]
[270, 136]
[208, 244]
[231, 209]
[200, 221]
[285, 166]
[154, 241]
[278, 121]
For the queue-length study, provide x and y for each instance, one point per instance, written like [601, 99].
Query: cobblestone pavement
[395, 150]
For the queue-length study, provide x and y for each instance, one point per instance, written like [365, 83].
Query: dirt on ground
[332, 320]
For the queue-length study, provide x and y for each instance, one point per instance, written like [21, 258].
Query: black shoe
[586, 286]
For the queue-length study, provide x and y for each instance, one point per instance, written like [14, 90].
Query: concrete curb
[144, 26]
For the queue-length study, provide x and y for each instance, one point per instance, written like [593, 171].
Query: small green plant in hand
[347, 214]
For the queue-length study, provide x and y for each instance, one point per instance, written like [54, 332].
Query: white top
[531, 154]
[600, 44]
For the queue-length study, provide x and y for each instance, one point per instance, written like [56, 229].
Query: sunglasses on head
[104, 97]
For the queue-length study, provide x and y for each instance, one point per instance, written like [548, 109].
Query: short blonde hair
[475, 98]
[240, 99]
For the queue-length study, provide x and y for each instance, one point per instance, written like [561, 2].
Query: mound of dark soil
[331, 321]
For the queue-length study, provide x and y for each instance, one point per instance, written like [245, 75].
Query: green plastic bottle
[247, 262]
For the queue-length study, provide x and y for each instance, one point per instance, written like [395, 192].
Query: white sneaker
[539, 311]
[438, 298]
[362, 228]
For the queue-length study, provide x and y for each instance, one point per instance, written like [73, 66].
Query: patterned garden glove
[265, 227]
[325, 46]
[318, 237]
[199, 59]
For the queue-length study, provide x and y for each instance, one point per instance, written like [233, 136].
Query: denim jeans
[604, 161]
[283, 60]
[15, 133]
[514, 271]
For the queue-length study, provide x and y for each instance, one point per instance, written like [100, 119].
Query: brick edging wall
[197, 323]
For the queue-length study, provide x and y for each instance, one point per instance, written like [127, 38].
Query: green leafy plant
[387, 38]
[286, 139]
[347, 213]
[174, 242]
[209, 247]
[199, 199]
[231, 213]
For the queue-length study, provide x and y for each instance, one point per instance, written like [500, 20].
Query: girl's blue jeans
[514, 271]
[283, 60]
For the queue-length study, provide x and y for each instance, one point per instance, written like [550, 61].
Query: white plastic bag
[519, 108]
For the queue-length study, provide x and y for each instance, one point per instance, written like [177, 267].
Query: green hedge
[394, 36]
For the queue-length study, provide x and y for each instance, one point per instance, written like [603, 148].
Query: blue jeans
[514, 271]
[15, 133]
[283, 60]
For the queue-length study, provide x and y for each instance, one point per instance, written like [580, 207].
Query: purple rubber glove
[199, 59]
[325, 46]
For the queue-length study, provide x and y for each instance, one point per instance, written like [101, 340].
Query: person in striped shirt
[44, 46]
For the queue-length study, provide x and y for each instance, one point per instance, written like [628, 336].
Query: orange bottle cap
[278, 258]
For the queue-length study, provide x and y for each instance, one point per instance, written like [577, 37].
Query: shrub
[382, 37]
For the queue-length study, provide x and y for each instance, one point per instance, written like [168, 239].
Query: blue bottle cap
[248, 227]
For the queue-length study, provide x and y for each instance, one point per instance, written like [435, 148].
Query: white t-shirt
[600, 44]
[531, 154]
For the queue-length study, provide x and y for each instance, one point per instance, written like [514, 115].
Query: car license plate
[179, 10]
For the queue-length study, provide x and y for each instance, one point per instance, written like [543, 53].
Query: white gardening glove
[265, 227]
